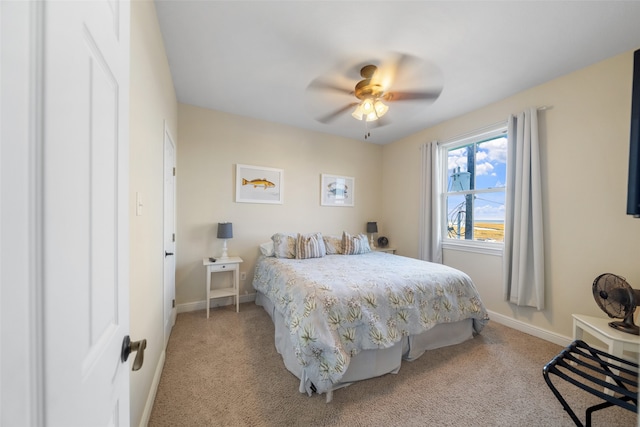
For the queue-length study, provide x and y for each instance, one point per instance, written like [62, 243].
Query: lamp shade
[225, 230]
[372, 227]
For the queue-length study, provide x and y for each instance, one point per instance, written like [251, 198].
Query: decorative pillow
[355, 245]
[333, 244]
[310, 246]
[284, 245]
[267, 249]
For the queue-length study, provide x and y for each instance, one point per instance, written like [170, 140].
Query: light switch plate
[138, 204]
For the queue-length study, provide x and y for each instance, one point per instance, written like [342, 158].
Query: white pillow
[267, 249]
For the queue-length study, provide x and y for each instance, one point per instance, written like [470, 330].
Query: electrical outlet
[243, 276]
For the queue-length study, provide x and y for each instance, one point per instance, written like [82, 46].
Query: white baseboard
[218, 302]
[148, 406]
[529, 329]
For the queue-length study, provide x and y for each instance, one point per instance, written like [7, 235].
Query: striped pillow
[310, 246]
[355, 245]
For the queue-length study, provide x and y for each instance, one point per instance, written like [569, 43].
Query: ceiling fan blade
[409, 96]
[334, 115]
[390, 71]
[403, 62]
[322, 85]
[382, 121]
[399, 67]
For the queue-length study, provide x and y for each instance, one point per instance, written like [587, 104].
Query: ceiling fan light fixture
[370, 110]
[358, 113]
[381, 108]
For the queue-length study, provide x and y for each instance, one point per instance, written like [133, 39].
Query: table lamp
[372, 227]
[225, 231]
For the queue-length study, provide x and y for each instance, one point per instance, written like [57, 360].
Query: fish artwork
[258, 183]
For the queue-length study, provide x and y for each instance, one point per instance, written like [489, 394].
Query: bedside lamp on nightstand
[372, 227]
[225, 231]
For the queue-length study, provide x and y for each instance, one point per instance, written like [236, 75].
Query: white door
[169, 234]
[85, 221]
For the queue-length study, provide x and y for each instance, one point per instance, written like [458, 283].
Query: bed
[344, 318]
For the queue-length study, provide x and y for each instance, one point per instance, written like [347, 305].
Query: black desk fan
[616, 298]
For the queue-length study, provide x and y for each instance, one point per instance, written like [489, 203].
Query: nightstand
[617, 341]
[231, 264]
[388, 250]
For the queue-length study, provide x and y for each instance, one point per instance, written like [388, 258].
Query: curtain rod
[474, 132]
[489, 128]
[485, 128]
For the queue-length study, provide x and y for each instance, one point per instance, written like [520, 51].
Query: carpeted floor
[225, 371]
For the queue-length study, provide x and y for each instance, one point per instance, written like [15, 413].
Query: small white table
[387, 249]
[228, 264]
[617, 341]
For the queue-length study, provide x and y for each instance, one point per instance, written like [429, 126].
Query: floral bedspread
[338, 305]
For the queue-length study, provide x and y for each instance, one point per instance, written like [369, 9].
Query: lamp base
[224, 250]
[371, 242]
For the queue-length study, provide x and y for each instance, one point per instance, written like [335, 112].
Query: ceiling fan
[375, 90]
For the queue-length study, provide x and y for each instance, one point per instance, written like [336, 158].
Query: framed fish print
[259, 184]
[337, 190]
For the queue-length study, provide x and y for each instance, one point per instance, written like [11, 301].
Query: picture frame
[259, 184]
[337, 190]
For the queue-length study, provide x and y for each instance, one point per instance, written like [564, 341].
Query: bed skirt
[368, 363]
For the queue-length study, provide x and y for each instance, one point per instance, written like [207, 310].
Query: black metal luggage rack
[587, 368]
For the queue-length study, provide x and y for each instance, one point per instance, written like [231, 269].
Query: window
[474, 198]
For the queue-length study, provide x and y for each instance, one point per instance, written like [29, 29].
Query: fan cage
[617, 299]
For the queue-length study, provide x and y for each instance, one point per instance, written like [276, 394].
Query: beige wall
[584, 149]
[212, 143]
[152, 101]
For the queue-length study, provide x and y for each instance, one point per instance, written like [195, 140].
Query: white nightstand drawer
[221, 267]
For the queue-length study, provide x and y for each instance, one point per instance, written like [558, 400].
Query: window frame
[475, 246]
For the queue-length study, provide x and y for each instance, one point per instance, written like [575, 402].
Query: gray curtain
[523, 243]
[430, 234]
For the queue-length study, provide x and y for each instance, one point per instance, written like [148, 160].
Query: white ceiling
[257, 58]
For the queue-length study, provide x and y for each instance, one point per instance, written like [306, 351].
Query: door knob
[129, 347]
[166, 254]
